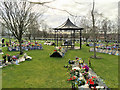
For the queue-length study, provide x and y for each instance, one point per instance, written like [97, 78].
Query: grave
[25, 57]
[59, 52]
[106, 51]
[82, 76]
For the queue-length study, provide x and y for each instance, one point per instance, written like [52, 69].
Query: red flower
[69, 79]
[91, 82]
[74, 77]
[93, 77]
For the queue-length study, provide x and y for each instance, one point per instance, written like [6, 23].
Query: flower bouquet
[81, 82]
[92, 82]
[82, 70]
[14, 58]
[73, 78]
[38, 45]
[77, 73]
[33, 45]
[72, 72]
[29, 43]
[71, 62]
[59, 49]
[86, 68]
[81, 62]
[36, 42]
[85, 74]
[55, 50]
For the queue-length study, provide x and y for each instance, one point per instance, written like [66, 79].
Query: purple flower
[86, 67]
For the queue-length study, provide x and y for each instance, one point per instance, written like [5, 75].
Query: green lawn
[46, 72]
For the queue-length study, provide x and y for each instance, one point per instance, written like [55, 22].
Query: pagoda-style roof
[68, 25]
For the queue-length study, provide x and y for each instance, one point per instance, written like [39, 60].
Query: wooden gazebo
[69, 26]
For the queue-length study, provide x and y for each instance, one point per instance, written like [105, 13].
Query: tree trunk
[94, 49]
[20, 45]
[29, 36]
[9, 39]
[86, 40]
[34, 39]
[92, 13]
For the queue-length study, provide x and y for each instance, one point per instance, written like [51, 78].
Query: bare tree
[33, 27]
[3, 33]
[48, 6]
[85, 22]
[93, 21]
[17, 17]
[44, 30]
[42, 3]
[114, 30]
[104, 25]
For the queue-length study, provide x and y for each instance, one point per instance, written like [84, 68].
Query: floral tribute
[79, 75]
[59, 52]
[25, 46]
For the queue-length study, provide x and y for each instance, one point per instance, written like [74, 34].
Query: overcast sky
[54, 18]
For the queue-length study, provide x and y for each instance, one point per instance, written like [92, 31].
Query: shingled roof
[68, 25]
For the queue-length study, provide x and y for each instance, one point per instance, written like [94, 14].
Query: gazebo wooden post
[57, 38]
[74, 39]
[80, 39]
[60, 39]
[71, 38]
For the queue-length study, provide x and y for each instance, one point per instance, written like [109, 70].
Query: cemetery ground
[46, 72]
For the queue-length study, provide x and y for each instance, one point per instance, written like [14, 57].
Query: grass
[46, 72]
